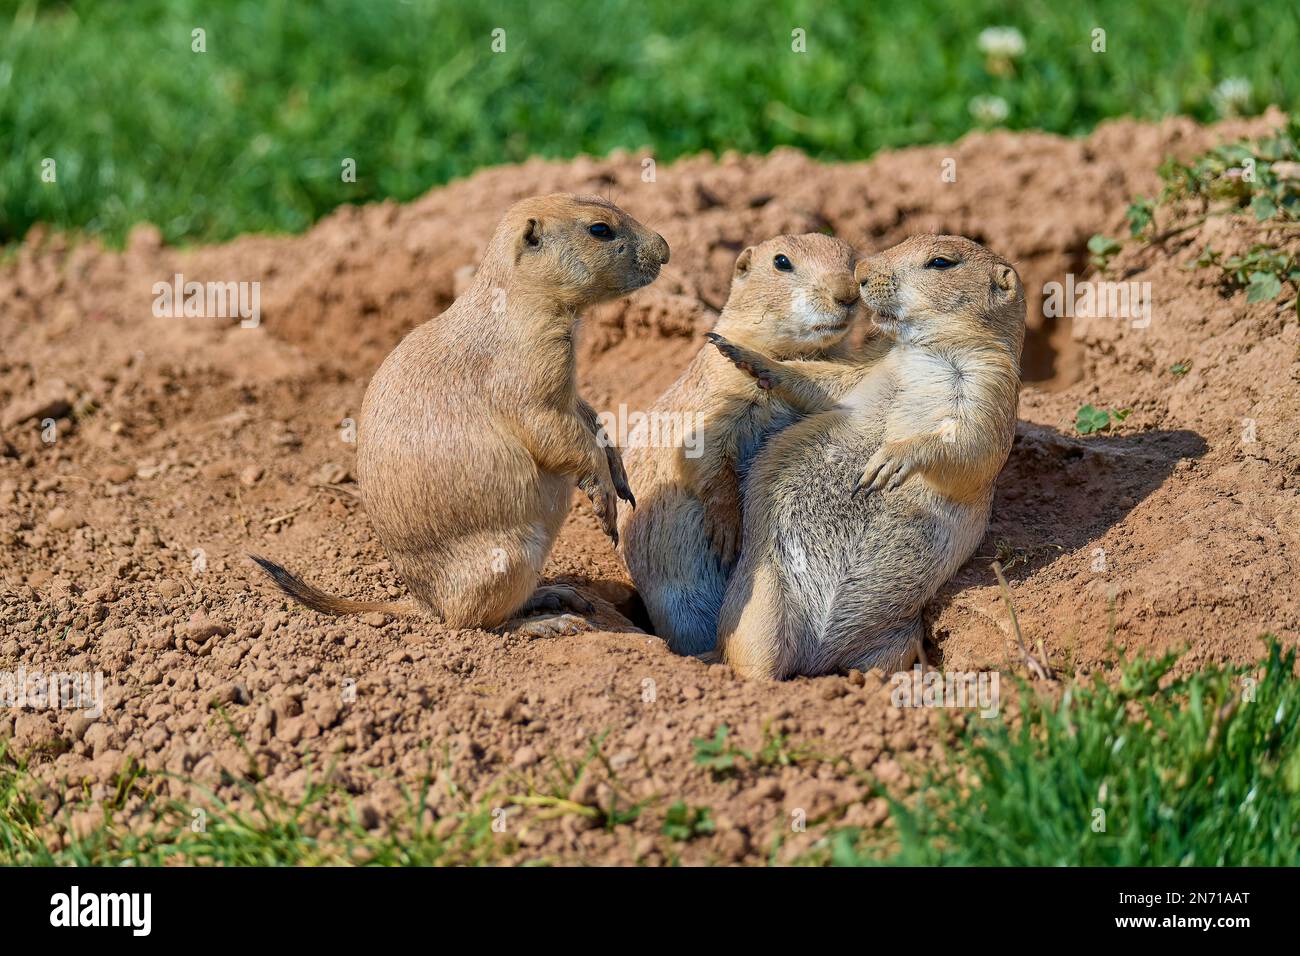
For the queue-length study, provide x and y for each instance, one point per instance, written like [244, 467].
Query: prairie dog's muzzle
[879, 284]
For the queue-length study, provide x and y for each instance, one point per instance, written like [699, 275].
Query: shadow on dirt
[1058, 492]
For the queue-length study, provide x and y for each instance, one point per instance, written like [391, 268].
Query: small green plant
[1091, 420]
[1141, 216]
[778, 751]
[683, 823]
[557, 781]
[1102, 249]
[1008, 554]
[1261, 177]
[1261, 272]
[718, 754]
[1181, 368]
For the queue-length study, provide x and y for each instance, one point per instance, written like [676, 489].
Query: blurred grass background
[251, 134]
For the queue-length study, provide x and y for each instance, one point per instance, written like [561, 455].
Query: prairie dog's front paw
[888, 468]
[745, 360]
[604, 501]
[619, 475]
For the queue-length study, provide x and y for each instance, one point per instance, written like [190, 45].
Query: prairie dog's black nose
[862, 271]
[845, 290]
[661, 249]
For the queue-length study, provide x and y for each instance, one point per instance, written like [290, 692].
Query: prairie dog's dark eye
[783, 264]
[941, 262]
[601, 230]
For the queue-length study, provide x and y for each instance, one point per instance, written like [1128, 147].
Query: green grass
[1151, 771]
[250, 135]
[1146, 770]
[322, 828]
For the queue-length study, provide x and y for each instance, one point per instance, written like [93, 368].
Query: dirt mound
[143, 456]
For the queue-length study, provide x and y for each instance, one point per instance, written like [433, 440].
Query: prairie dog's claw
[625, 493]
[619, 477]
[604, 501]
[886, 470]
[742, 359]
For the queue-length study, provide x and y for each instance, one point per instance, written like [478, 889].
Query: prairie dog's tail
[318, 600]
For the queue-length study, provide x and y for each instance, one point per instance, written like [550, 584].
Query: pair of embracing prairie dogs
[838, 486]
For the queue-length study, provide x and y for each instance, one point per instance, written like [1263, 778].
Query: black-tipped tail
[318, 600]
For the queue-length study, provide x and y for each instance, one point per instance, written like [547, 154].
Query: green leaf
[1140, 215]
[1090, 420]
[1263, 287]
[682, 823]
[1103, 245]
[1102, 248]
[1263, 207]
[1207, 258]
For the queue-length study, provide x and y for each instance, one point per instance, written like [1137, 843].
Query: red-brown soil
[183, 443]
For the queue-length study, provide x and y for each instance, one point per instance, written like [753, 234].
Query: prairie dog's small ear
[1004, 277]
[532, 233]
[529, 238]
[743, 262]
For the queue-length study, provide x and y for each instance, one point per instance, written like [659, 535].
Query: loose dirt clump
[142, 457]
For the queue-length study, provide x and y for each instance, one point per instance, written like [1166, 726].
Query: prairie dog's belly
[816, 493]
[818, 458]
[821, 533]
[432, 476]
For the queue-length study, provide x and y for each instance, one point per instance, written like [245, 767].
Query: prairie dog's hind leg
[547, 625]
[751, 635]
[894, 649]
[548, 613]
[556, 597]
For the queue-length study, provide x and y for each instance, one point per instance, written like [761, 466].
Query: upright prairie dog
[472, 434]
[831, 577]
[791, 297]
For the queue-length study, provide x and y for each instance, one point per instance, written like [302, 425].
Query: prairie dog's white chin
[895, 324]
[819, 324]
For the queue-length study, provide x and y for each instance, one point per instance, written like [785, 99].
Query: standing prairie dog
[791, 297]
[831, 577]
[472, 434]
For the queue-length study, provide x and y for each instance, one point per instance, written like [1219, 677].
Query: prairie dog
[839, 559]
[791, 296]
[472, 434]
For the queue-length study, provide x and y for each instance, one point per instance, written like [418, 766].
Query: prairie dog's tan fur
[831, 577]
[791, 297]
[472, 434]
